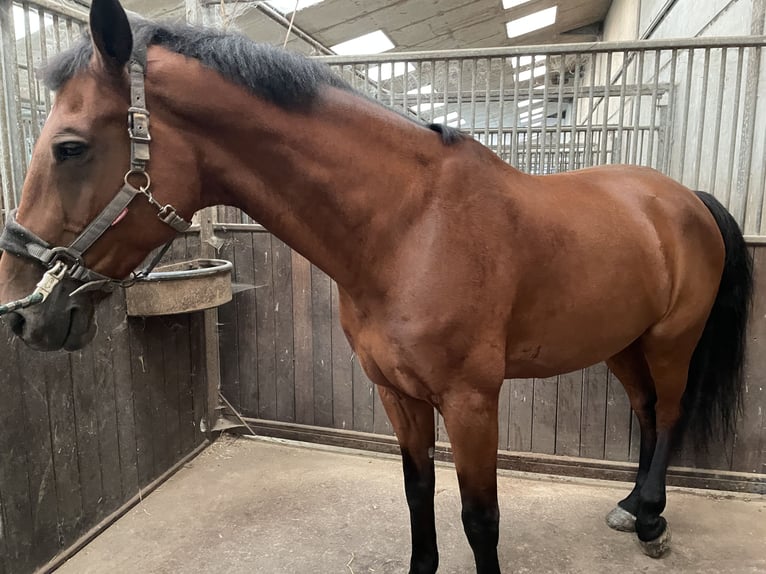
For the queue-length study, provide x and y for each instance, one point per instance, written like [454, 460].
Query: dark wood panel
[229, 330]
[283, 331]
[750, 442]
[142, 402]
[593, 419]
[520, 429]
[617, 441]
[569, 414]
[14, 450]
[544, 415]
[342, 371]
[303, 340]
[503, 416]
[363, 399]
[247, 336]
[265, 326]
[321, 328]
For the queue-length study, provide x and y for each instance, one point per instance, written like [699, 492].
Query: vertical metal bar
[589, 128]
[557, 143]
[419, 87]
[575, 112]
[621, 118]
[460, 64]
[44, 58]
[750, 206]
[734, 122]
[543, 139]
[655, 103]
[11, 136]
[501, 106]
[31, 83]
[634, 159]
[702, 106]
[515, 123]
[685, 117]
[605, 102]
[717, 124]
[762, 220]
[446, 87]
[668, 126]
[474, 62]
[487, 107]
[528, 162]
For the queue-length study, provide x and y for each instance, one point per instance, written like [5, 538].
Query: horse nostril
[17, 322]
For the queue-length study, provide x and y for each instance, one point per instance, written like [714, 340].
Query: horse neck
[339, 183]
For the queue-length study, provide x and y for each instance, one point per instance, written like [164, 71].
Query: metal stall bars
[29, 33]
[679, 106]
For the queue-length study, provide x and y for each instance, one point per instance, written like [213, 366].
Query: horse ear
[111, 34]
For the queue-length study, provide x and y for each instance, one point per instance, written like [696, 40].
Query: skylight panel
[525, 103]
[427, 89]
[508, 4]
[527, 74]
[426, 107]
[19, 24]
[532, 22]
[452, 116]
[287, 6]
[387, 71]
[372, 43]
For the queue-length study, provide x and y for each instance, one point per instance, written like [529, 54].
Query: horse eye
[69, 150]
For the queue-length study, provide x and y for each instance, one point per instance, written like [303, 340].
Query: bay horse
[454, 269]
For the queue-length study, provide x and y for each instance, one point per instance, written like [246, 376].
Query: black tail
[713, 393]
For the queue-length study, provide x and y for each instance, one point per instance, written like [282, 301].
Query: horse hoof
[658, 547]
[620, 519]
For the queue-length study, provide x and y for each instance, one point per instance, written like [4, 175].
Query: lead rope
[51, 278]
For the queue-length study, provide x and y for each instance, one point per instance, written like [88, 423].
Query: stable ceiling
[411, 24]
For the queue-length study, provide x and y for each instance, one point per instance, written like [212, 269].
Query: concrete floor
[260, 506]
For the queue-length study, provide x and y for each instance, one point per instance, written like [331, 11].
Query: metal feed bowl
[181, 288]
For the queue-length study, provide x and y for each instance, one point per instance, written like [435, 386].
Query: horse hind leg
[668, 358]
[629, 366]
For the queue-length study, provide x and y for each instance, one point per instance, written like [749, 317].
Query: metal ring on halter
[148, 179]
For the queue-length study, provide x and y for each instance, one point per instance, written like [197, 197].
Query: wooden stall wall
[82, 433]
[284, 358]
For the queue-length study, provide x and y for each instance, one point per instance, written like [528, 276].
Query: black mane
[284, 78]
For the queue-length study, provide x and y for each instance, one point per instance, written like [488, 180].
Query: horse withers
[454, 269]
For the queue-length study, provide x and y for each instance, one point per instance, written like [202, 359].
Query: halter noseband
[63, 262]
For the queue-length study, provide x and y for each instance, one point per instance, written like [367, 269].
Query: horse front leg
[413, 422]
[471, 422]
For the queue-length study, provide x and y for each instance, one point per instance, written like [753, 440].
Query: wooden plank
[520, 430]
[750, 441]
[568, 414]
[142, 402]
[154, 333]
[617, 439]
[186, 416]
[503, 416]
[42, 483]
[635, 438]
[322, 327]
[171, 330]
[593, 418]
[14, 450]
[342, 371]
[265, 326]
[64, 442]
[247, 325]
[363, 399]
[105, 411]
[197, 376]
[283, 330]
[86, 417]
[227, 328]
[116, 324]
[544, 415]
[303, 339]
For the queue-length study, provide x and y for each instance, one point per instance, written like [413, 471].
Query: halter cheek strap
[63, 262]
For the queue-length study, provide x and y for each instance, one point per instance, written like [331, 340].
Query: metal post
[12, 159]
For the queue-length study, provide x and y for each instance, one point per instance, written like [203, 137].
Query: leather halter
[63, 262]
